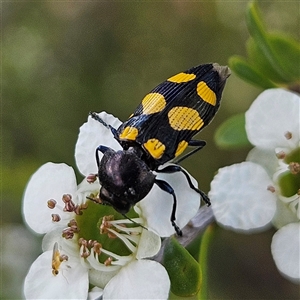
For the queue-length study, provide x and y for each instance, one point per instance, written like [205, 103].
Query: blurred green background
[61, 60]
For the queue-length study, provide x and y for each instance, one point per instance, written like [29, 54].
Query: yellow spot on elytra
[206, 93]
[155, 148]
[153, 103]
[182, 77]
[184, 118]
[129, 133]
[181, 147]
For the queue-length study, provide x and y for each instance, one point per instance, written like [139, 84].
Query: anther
[280, 155]
[294, 167]
[63, 257]
[271, 188]
[97, 247]
[106, 223]
[85, 252]
[55, 217]
[95, 199]
[68, 233]
[66, 198]
[51, 203]
[108, 261]
[288, 135]
[91, 178]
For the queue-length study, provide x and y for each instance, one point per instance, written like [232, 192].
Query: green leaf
[183, 269]
[259, 61]
[248, 73]
[203, 256]
[288, 53]
[257, 31]
[232, 133]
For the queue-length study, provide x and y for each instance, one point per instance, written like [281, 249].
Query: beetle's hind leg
[173, 169]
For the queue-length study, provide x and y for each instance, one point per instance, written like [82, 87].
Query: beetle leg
[167, 188]
[102, 149]
[173, 169]
[194, 143]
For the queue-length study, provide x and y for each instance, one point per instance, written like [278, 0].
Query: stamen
[124, 240]
[69, 204]
[129, 230]
[97, 247]
[108, 261]
[294, 167]
[73, 226]
[63, 257]
[288, 135]
[55, 217]
[91, 178]
[84, 250]
[51, 203]
[68, 233]
[271, 189]
[94, 263]
[281, 155]
[105, 224]
[95, 199]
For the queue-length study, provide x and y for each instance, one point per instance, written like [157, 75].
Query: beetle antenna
[134, 221]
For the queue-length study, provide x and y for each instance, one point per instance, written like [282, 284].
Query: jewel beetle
[158, 131]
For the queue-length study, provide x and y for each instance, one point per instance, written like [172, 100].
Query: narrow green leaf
[248, 73]
[258, 60]
[257, 31]
[288, 52]
[203, 256]
[232, 134]
[183, 270]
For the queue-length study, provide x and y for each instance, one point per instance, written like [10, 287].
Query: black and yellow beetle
[159, 130]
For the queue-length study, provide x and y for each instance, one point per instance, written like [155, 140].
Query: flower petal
[274, 113]
[240, 197]
[50, 181]
[264, 157]
[141, 279]
[285, 249]
[95, 293]
[91, 135]
[284, 215]
[149, 244]
[55, 236]
[157, 206]
[70, 283]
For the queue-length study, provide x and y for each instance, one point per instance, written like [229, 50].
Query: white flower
[156, 207]
[265, 189]
[86, 243]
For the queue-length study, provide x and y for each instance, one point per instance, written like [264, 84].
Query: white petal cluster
[250, 196]
[54, 205]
